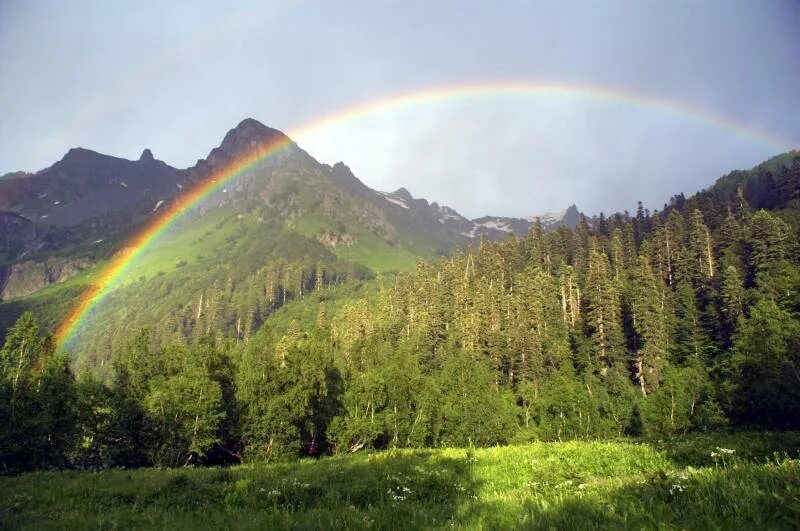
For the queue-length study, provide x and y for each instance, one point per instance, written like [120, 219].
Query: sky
[118, 77]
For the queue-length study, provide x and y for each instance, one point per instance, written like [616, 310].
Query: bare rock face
[334, 239]
[572, 217]
[18, 235]
[24, 278]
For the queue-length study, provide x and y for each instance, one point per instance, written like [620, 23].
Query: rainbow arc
[166, 217]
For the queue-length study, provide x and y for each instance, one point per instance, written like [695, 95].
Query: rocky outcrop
[27, 277]
[18, 235]
[335, 239]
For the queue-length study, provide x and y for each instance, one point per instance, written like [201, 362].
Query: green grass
[370, 249]
[194, 241]
[573, 485]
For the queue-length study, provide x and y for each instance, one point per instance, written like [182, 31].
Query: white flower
[675, 488]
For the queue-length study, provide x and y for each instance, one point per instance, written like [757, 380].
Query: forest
[653, 324]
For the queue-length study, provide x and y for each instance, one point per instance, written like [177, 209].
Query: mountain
[78, 211]
[55, 219]
[496, 227]
[285, 226]
[446, 223]
[86, 185]
[259, 325]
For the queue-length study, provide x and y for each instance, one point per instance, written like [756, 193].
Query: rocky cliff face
[24, 278]
[18, 235]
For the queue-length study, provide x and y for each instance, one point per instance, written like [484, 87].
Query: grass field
[721, 481]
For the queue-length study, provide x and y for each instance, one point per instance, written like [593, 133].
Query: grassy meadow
[719, 481]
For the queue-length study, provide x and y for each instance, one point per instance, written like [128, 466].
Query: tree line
[655, 324]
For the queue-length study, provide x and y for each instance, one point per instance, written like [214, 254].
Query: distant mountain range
[63, 219]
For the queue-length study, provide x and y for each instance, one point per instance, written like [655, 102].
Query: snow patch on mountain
[494, 224]
[471, 233]
[394, 199]
[548, 218]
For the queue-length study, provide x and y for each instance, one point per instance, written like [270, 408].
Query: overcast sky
[175, 76]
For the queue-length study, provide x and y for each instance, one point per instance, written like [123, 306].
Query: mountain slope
[78, 211]
[285, 226]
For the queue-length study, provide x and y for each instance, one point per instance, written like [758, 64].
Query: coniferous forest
[654, 324]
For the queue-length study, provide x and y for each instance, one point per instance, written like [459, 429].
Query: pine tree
[701, 249]
[766, 363]
[690, 339]
[603, 315]
[649, 311]
[767, 241]
[635, 424]
[732, 299]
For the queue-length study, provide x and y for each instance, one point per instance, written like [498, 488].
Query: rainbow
[159, 224]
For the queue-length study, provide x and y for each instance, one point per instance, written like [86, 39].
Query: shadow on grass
[387, 490]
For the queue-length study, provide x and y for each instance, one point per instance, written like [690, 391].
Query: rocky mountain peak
[80, 155]
[572, 216]
[250, 134]
[341, 167]
[147, 155]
